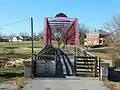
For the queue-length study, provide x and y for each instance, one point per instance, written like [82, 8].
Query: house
[4, 39]
[16, 39]
[26, 38]
[95, 38]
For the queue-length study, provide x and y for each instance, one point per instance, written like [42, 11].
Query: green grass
[13, 51]
[21, 80]
[11, 70]
[15, 55]
[103, 53]
[10, 47]
[13, 45]
[19, 49]
[104, 56]
[9, 75]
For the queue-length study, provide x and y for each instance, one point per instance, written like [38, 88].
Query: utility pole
[32, 47]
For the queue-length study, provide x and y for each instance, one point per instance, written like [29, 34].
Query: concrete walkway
[69, 83]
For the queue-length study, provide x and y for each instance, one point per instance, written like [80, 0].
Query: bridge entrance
[55, 62]
[62, 29]
[51, 61]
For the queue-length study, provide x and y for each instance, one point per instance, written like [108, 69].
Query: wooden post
[36, 58]
[95, 65]
[75, 73]
[56, 65]
[99, 67]
[76, 51]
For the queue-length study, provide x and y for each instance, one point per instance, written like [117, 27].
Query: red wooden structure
[68, 27]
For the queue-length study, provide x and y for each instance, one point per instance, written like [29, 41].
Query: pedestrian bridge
[70, 61]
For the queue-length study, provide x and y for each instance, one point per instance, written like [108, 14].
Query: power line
[4, 25]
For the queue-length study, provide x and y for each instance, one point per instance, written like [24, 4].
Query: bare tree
[41, 34]
[113, 37]
[83, 31]
[58, 38]
[23, 34]
[11, 36]
[0, 35]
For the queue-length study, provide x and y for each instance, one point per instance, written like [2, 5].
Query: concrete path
[69, 83]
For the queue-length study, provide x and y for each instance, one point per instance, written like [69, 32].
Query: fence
[88, 66]
[85, 63]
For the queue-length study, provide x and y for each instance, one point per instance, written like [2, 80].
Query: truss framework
[68, 27]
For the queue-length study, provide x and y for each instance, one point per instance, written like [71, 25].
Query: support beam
[70, 27]
[47, 32]
[70, 34]
[77, 39]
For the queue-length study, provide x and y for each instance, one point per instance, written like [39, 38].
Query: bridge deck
[67, 83]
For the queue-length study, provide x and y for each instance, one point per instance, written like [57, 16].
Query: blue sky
[92, 13]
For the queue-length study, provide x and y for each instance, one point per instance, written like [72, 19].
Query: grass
[15, 55]
[12, 74]
[13, 45]
[104, 54]
[16, 50]
[19, 49]
[11, 70]
[19, 80]
[13, 51]
[10, 47]
[23, 49]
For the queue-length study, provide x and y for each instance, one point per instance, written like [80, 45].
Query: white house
[16, 39]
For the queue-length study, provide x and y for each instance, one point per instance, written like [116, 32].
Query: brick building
[95, 38]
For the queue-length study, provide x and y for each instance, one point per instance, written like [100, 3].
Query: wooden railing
[87, 65]
[90, 61]
[85, 60]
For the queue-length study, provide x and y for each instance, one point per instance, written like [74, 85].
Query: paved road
[64, 84]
